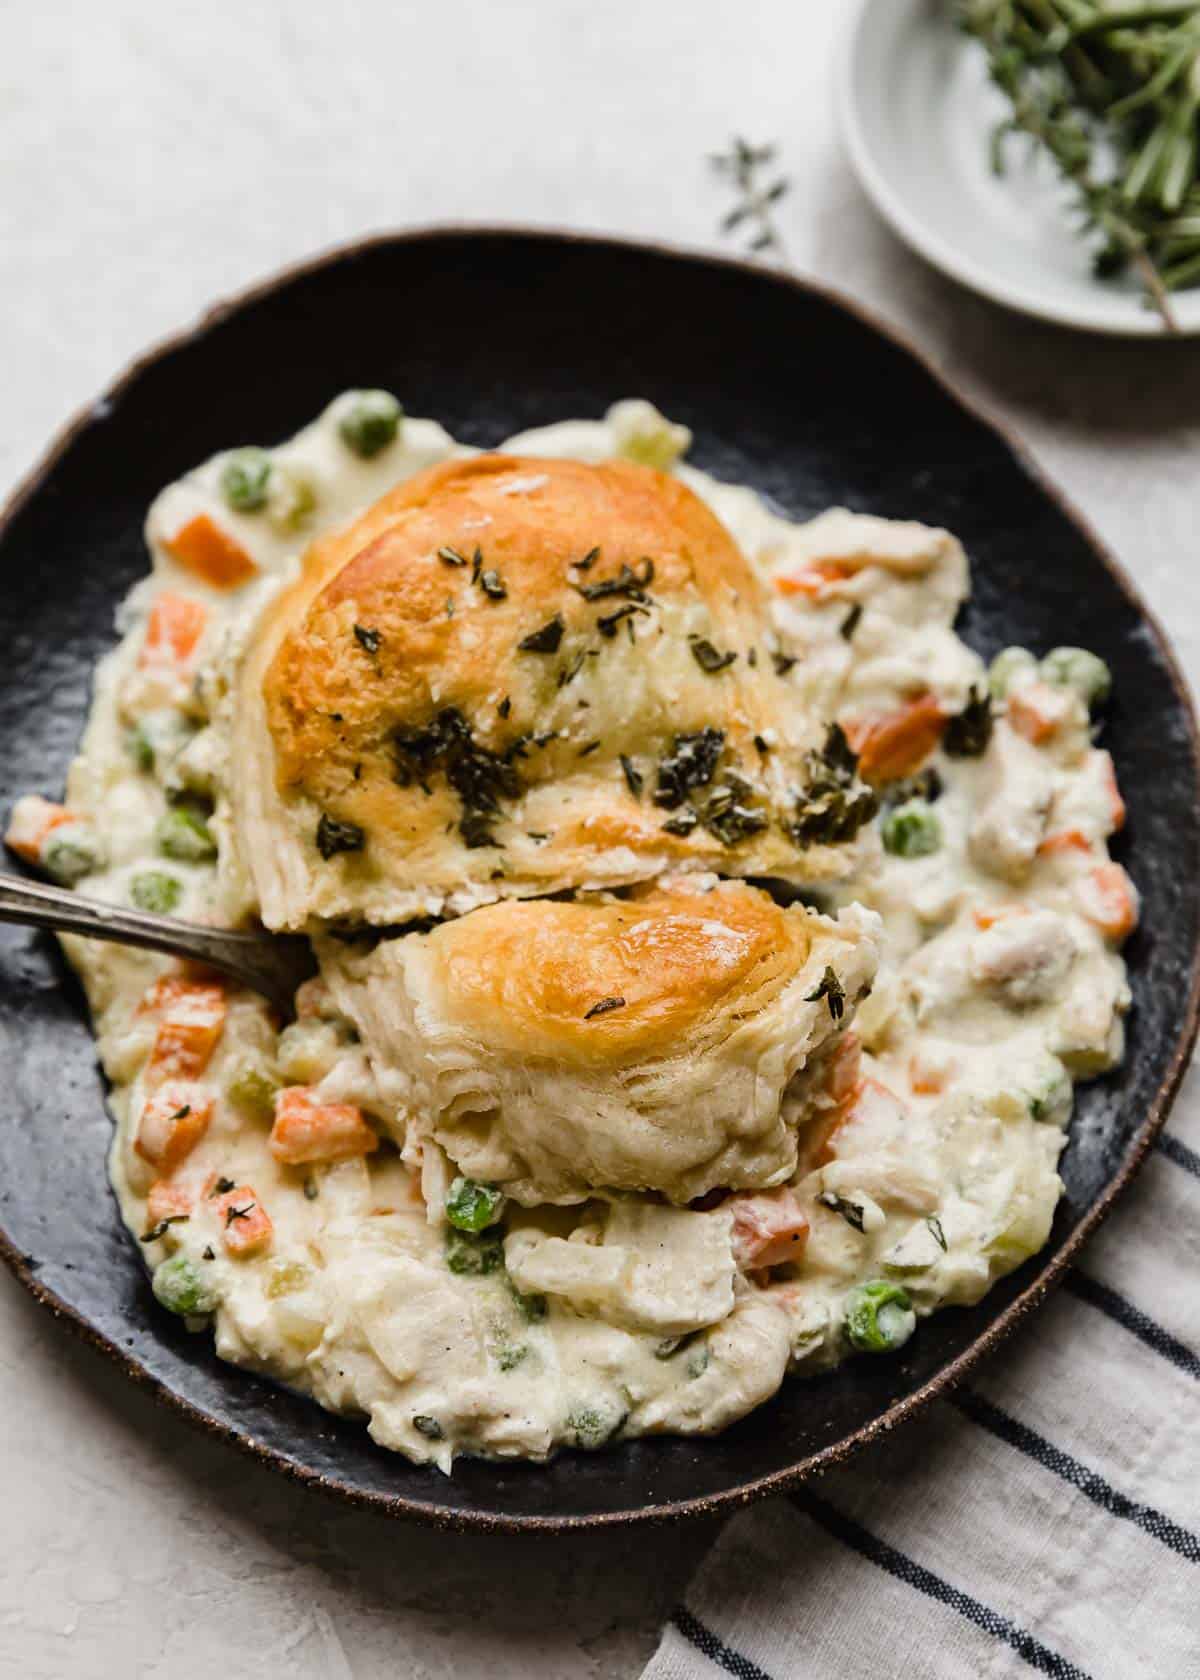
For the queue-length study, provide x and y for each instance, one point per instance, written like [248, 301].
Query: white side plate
[917, 111]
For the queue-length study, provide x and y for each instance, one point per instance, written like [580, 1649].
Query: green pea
[244, 479]
[181, 1287]
[879, 1317]
[474, 1253]
[72, 852]
[591, 1426]
[1072, 667]
[1005, 667]
[471, 1206]
[370, 423]
[911, 830]
[184, 834]
[253, 1090]
[156, 891]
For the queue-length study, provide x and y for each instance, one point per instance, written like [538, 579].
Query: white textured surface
[157, 156]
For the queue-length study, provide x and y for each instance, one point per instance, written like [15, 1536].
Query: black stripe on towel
[1133, 1319]
[913, 1574]
[1093, 1486]
[706, 1641]
[1179, 1153]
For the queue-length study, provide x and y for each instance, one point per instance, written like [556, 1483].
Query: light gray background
[156, 156]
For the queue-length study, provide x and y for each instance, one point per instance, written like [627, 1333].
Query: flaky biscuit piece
[667, 1041]
[514, 676]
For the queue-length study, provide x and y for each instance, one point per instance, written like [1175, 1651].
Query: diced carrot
[167, 1200]
[193, 1018]
[1067, 840]
[1116, 805]
[307, 1129]
[988, 915]
[929, 1074]
[211, 553]
[822, 1140]
[816, 579]
[246, 1226]
[1108, 899]
[1036, 710]
[174, 1118]
[845, 1067]
[32, 819]
[173, 631]
[897, 743]
[768, 1230]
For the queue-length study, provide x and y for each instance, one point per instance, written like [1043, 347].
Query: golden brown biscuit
[646, 1043]
[513, 676]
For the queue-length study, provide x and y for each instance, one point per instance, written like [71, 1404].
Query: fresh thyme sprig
[744, 166]
[1111, 93]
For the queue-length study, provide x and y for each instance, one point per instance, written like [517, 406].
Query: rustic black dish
[491, 331]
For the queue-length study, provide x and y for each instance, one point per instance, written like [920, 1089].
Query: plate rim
[450, 1518]
[929, 244]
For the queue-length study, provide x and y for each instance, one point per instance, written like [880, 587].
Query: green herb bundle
[1111, 92]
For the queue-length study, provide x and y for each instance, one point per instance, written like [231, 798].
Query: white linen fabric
[1043, 1520]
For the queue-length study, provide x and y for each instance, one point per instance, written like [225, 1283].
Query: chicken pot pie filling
[566, 1169]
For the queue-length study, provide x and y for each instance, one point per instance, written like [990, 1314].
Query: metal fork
[273, 964]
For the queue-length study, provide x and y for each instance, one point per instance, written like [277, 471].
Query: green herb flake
[634, 779]
[690, 764]
[830, 988]
[934, 1226]
[851, 1212]
[605, 1006]
[334, 837]
[156, 1231]
[546, 640]
[628, 582]
[850, 623]
[369, 640]
[708, 657]
[967, 734]
[451, 557]
[429, 1427]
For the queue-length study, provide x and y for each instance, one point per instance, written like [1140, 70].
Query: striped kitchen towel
[1044, 1520]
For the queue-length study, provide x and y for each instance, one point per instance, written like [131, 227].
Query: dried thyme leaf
[708, 657]
[830, 988]
[631, 584]
[690, 764]
[851, 1212]
[334, 837]
[605, 1006]
[545, 640]
[156, 1231]
[451, 557]
[368, 640]
[969, 731]
[849, 624]
[634, 779]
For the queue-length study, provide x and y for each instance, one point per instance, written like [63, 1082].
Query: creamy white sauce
[998, 987]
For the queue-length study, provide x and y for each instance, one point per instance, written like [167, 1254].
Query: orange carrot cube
[211, 553]
[168, 1200]
[1067, 840]
[1037, 711]
[897, 743]
[307, 1129]
[33, 819]
[173, 631]
[1108, 898]
[193, 1018]
[174, 1118]
[246, 1227]
[816, 579]
[768, 1230]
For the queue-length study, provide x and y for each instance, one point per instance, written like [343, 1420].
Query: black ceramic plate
[786, 388]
